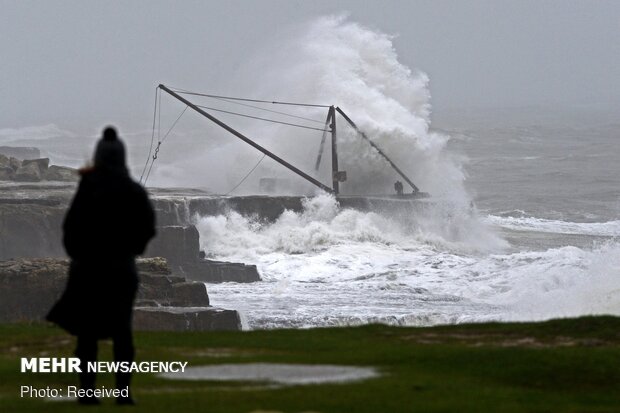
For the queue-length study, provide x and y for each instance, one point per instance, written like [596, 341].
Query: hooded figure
[109, 222]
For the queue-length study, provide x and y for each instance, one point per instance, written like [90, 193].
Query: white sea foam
[327, 266]
[609, 228]
[561, 282]
[441, 264]
[322, 224]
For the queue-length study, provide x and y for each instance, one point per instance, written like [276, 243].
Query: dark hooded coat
[109, 222]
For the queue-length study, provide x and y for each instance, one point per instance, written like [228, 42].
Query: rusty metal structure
[330, 128]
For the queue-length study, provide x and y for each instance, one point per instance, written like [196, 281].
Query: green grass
[570, 365]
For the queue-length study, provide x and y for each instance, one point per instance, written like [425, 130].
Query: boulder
[189, 294]
[157, 287]
[185, 319]
[28, 173]
[29, 288]
[31, 229]
[6, 173]
[157, 283]
[60, 173]
[33, 170]
[154, 265]
[178, 244]
[42, 163]
[181, 247]
[220, 271]
[14, 163]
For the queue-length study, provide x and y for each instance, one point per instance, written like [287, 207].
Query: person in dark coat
[108, 224]
[398, 187]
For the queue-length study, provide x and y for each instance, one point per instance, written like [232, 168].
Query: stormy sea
[542, 243]
[522, 221]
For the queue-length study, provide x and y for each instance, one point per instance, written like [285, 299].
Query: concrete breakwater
[31, 218]
[168, 302]
[31, 227]
[181, 209]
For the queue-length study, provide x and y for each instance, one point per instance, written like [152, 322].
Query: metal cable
[148, 157]
[155, 155]
[270, 110]
[273, 102]
[264, 119]
[248, 174]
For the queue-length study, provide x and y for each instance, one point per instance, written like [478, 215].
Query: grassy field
[570, 365]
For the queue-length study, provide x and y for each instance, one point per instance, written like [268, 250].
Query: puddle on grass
[286, 374]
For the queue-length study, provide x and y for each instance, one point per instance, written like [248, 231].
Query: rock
[157, 283]
[172, 212]
[28, 173]
[177, 244]
[20, 201]
[20, 152]
[140, 302]
[154, 265]
[190, 294]
[181, 247]
[14, 163]
[32, 170]
[29, 288]
[185, 319]
[157, 287]
[6, 168]
[6, 173]
[220, 271]
[42, 163]
[9, 162]
[30, 230]
[60, 173]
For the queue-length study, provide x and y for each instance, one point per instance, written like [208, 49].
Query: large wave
[323, 224]
[330, 60]
[326, 266]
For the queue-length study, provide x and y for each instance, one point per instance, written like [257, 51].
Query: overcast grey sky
[69, 62]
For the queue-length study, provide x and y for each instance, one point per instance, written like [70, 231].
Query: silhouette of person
[398, 187]
[109, 222]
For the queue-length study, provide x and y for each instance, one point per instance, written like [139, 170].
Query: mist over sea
[523, 222]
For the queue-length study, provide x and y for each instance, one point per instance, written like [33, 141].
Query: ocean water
[328, 266]
[523, 222]
[543, 241]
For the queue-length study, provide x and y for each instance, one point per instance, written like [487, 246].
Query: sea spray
[325, 276]
[322, 224]
[331, 266]
[334, 61]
